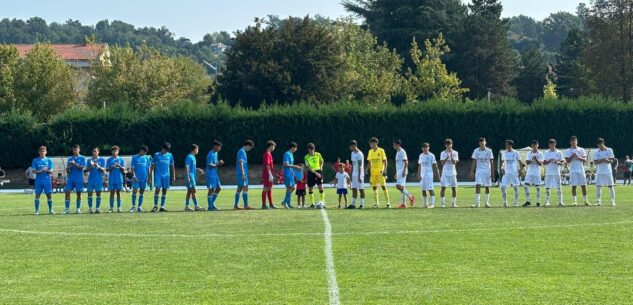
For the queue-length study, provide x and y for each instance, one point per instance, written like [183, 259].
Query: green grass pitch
[415, 256]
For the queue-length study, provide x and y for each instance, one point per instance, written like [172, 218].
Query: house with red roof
[79, 56]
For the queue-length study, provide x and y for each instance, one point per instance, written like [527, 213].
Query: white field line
[329, 260]
[302, 234]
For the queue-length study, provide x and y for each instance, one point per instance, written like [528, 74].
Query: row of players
[161, 170]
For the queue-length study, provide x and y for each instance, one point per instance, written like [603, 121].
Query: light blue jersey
[76, 174]
[141, 165]
[289, 159]
[190, 161]
[42, 164]
[116, 175]
[212, 158]
[95, 176]
[163, 163]
[241, 156]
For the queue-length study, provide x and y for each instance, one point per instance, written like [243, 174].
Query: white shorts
[356, 184]
[483, 179]
[576, 179]
[510, 180]
[401, 181]
[448, 181]
[552, 182]
[426, 184]
[533, 180]
[604, 180]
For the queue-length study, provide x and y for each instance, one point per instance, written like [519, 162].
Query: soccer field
[581, 255]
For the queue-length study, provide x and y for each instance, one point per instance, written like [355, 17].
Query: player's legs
[47, 188]
[79, 188]
[443, 195]
[385, 191]
[321, 191]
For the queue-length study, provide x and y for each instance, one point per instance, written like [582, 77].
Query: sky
[194, 18]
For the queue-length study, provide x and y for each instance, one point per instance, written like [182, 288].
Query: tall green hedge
[330, 127]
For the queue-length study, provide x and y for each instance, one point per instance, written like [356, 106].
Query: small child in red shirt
[301, 181]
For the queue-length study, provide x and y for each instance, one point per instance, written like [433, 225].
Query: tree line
[403, 52]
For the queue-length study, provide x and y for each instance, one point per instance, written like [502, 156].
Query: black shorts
[313, 180]
[300, 192]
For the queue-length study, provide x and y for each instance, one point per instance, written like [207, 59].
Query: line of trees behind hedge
[331, 127]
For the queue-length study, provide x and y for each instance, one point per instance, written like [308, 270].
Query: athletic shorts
[213, 182]
[426, 184]
[75, 186]
[301, 192]
[604, 180]
[241, 182]
[448, 181]
[289, 180]
[483, 179]
[377, 180]
[43, 187]
[139, 185]
[358, 182]
[510, 180]
[95, 187]
[401, 181]
[552, 182]
[533, 180]
[115, 186]
[192, 182]
[162, 182]
[576, 179]
[313, 180]
[341, 191]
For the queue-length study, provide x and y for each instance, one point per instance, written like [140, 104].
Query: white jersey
[401, 157]
[533, 169]
[358, 163]
[341, 180]
[552, 168]
[604, 168]
[576, 166]
[511, 161]
[426, 162]
[483, 158]
[448, 169]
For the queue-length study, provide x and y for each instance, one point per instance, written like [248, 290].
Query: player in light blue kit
[75, 183]
[191, 179]
[116, 167]
[140, 174]
[96, 167]
[289, 168]
[241, 174]
[164, 173]
[213, 180]
[43, 169]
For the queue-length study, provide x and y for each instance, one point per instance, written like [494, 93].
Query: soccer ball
[319, 205]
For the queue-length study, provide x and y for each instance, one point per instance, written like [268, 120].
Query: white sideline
[429, 231]
[329, 260]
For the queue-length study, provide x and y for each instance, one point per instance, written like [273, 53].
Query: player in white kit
[534, 161]
[427, 170]
[402, 170]
[358, 175]
[577, 157]
[449, 158]
[481, 171]
[553, 161]
[603, 159]
[510, 164]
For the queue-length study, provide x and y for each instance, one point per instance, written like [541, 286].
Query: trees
[146, 78]
[572, 75]
[484, 58]
[298, 59]
[371, 73]
[556, 27]
[8, 62]
[398, 21]
[430, 79]
[532, 76]
[609, 51]
[43, 83]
